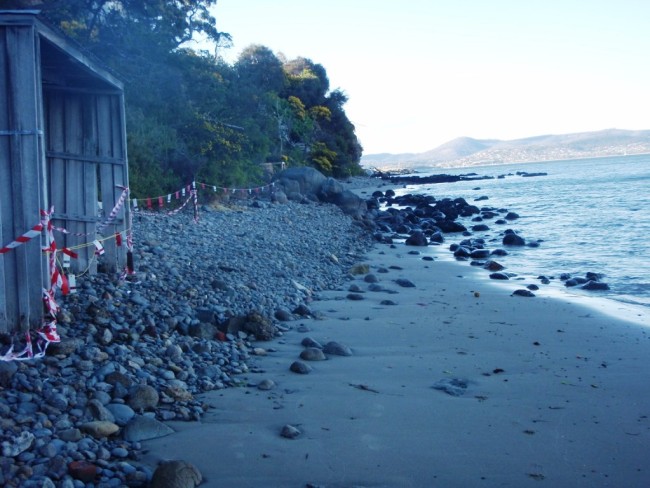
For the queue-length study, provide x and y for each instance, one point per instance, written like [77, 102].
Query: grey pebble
[312, 354]
[300, 367]
[290, 432]
[266, 385]
[337, 349]
[404, 283]
[354, 296]
[310, 342]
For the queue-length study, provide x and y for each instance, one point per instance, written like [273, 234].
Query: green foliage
[192, 116]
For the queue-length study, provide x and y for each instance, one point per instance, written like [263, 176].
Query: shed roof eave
[69, 47]
[29, 17]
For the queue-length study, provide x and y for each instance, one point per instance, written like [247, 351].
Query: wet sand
[531, 392]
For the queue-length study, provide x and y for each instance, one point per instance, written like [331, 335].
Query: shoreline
[629, 311]
[549, 390]
[194, 358]
[608, 303]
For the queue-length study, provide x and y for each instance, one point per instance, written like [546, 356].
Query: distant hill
[465, 151]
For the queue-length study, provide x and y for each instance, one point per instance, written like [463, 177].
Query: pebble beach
[283, 345]
[138, 352]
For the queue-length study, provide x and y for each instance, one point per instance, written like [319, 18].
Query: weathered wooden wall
[62, 144]
[21, 168]
[86, 161]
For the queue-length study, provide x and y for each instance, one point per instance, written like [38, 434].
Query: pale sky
[419, 73]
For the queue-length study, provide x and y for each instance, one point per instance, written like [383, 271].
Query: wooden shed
[62, 146]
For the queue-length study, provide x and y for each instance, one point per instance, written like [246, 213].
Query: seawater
[589, 214]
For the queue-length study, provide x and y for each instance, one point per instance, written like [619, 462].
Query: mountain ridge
[467, 151]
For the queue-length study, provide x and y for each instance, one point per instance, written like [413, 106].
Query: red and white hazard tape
[47, 333]
[26, 237]
[111, 217]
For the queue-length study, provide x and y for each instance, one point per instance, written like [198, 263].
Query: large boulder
[512, 239]
[331, 191]
[308, 183]
[254, 324]
[304, 180]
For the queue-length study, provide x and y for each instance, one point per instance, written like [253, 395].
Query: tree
[189, 114]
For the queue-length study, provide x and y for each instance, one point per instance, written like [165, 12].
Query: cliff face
[466, 151]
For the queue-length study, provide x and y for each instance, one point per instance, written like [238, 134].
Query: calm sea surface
[591, 214]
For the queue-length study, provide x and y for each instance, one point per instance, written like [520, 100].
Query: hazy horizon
[422, 73]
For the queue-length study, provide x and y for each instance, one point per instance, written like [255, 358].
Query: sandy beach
[452, 382]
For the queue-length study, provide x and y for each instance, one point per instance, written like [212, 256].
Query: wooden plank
[85, 157]
[89, 131]
[42, 162]
[75, 182]
[55, 141]
[26, 174]
[6, 219]
[82, 90]
[111, 177]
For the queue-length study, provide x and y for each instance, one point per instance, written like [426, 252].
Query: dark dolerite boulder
[480, 253]
[469, 210]
[575, 281]
[511, 216]
[462, 253]
[522, 293]
[437, 237]
[403, 229]
[594, 276]
[493, 266]
[449, 226]
[480, 228]
[512, 239]
[595, 285]
[447, 207]
[417, 238]
[499, 276]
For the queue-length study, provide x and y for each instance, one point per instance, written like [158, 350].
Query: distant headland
[467, 152]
